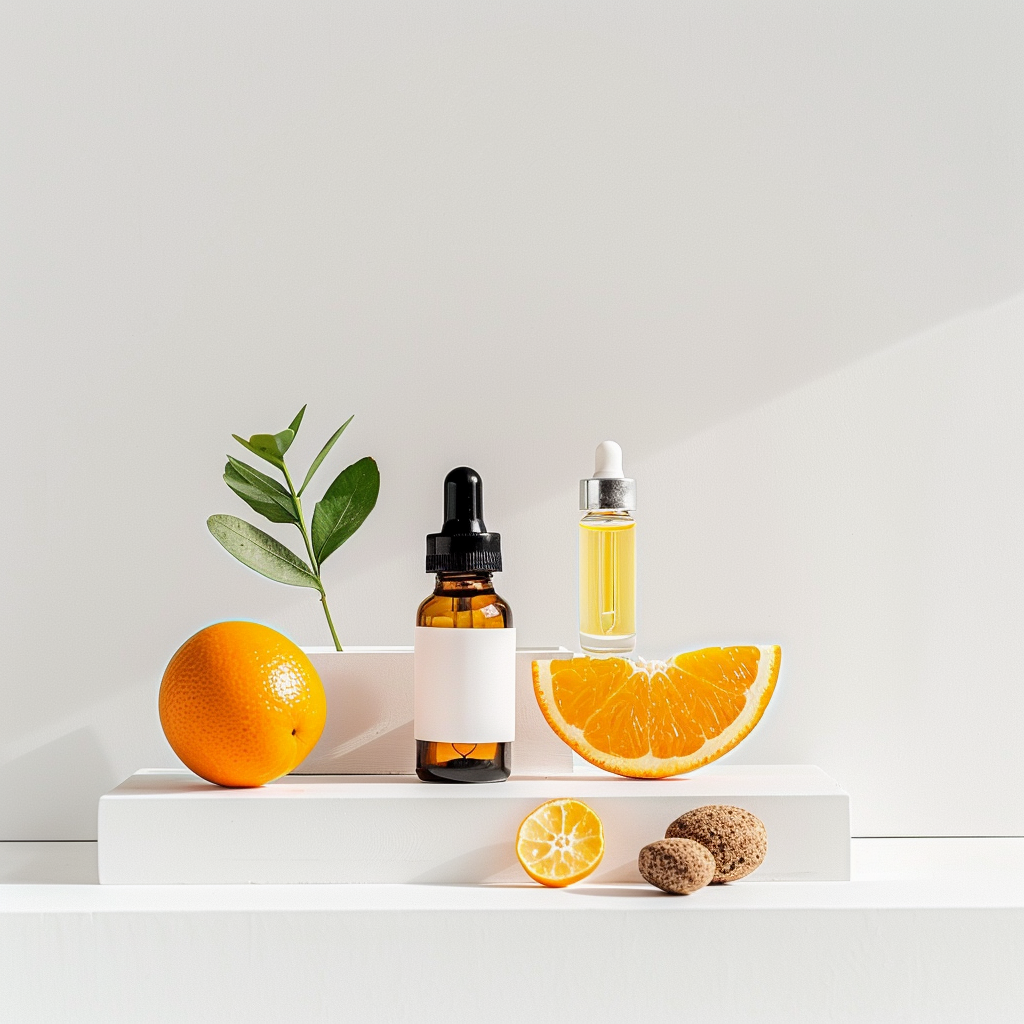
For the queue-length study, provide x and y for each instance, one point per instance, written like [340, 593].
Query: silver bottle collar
[617, 494]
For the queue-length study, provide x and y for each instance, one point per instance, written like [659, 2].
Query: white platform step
[168, 826]
[928, 930]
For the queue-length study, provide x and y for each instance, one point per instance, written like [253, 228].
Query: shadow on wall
[52, 791]
[43, 863]
[52, 778]
[870, 522]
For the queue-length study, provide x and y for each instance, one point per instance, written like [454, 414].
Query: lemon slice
[560, 842]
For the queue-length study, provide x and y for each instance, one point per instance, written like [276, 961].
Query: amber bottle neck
[449, 582]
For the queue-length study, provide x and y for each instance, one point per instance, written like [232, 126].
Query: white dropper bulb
[608, 461]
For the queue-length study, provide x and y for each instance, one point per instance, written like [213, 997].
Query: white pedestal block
[369, 728]
[168, 826]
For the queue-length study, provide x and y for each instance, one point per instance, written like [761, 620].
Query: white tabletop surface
[887, 873]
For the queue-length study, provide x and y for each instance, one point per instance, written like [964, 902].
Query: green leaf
[323, 452]
[271, 487]
[341, 511]
[266, 446]
[294, 425]
[260, 492]
[273, 446]
[283, 440]
[261, 552]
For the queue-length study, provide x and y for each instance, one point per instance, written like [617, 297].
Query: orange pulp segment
[560, 842]
[654, 719]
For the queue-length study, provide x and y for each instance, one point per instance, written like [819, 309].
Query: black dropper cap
[463, 545]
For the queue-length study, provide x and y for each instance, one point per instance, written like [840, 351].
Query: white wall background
[772, 248]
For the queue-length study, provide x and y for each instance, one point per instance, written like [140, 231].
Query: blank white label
[465, 685]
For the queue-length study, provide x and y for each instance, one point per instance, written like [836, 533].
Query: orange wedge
[560, 842]
[651, 719]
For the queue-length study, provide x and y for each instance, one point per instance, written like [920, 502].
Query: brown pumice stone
[736, 838]
[678, 866]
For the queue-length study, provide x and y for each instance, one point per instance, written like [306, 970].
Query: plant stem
[309, 551]
[302, 526]
[330, 622]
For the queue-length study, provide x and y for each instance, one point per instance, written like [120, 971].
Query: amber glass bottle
[465, 684]
[464, 600]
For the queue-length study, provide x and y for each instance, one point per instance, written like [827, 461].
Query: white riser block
[167, 826]
[369, 728]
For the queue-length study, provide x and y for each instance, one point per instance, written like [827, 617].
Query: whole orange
[240, 704]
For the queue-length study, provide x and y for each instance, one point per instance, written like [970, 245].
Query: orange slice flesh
[560, 842]
[653, 719]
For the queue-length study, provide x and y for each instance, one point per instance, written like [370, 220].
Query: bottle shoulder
[465, 611]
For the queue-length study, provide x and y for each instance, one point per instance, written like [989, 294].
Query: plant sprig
[336, 516]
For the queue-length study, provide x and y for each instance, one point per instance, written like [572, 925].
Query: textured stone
[736, 838]
[679, 866]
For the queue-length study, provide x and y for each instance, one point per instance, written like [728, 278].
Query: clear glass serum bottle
[464, 557]
[607, 553]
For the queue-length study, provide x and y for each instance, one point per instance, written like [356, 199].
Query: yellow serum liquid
[608, 582]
